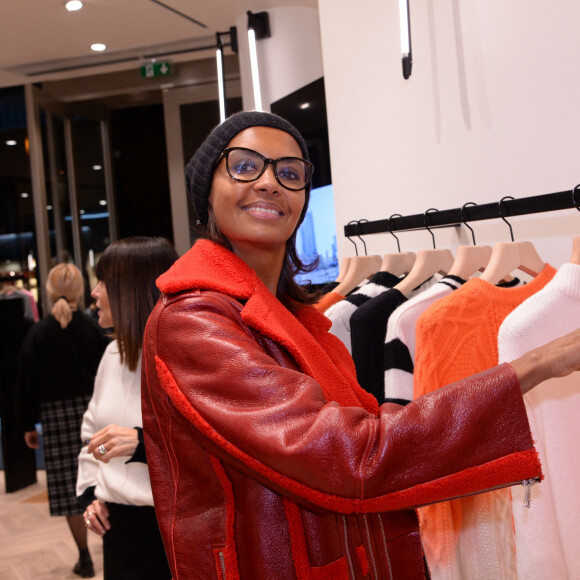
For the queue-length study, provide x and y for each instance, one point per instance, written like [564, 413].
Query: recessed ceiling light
[73, 5]
[11, 142]
[82, 211]
[49, 207]
[97, 167]
[24, 195]
[305, 105]
[98, 47]
[103, 202]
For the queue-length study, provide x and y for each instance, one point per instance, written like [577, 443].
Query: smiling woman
[272, 211]
[264, 453]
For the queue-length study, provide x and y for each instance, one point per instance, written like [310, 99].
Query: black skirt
[61, 442]
[132, 548]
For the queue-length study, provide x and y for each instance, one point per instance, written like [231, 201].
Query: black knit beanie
[199, 171]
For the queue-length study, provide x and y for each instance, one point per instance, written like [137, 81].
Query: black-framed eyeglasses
[245, 164]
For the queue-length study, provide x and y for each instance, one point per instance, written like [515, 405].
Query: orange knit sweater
[457, 337]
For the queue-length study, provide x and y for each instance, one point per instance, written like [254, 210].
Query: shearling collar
[209, 266]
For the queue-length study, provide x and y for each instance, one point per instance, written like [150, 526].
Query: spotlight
[73, 5]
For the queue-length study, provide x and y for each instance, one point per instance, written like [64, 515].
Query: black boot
[84, 567]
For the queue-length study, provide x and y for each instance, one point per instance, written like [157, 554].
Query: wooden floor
[34, 545]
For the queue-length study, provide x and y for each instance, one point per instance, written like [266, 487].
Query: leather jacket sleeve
[242, 397]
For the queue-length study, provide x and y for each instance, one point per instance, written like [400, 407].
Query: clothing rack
[469, 213]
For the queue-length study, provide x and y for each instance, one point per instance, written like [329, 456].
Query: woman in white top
[113, 482]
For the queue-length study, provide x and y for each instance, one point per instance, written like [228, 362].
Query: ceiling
[41, 41]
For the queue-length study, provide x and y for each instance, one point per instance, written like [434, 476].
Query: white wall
[491, 109]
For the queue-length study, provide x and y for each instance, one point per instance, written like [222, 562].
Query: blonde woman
[57, 368]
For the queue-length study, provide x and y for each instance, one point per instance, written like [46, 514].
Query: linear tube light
[255, 71]
[405, 25]
[221, 88]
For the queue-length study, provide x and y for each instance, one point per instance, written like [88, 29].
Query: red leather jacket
[257, 470]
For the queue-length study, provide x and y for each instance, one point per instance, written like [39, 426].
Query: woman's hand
[96, 517]
[113, 441]
[558, 358]
[31, 439]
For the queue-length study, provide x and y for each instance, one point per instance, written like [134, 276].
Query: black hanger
[502, 216]
[465, 222]
[358, 235]
[348, 237]
[427, 227]
[391, 231]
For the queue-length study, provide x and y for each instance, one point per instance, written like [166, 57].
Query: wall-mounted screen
[317, 237]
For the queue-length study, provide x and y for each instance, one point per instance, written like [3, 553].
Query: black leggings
[132, 548]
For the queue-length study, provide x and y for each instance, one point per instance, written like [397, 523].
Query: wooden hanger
[343, 269]
[509, 256]
[359, 268]
[427, 263]
[469, 259]
[399, 263]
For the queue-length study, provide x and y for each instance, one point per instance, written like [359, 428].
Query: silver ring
[102, 449]
[87, 523]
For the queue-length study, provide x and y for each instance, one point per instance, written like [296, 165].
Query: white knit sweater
[116, 399]
[547, 539]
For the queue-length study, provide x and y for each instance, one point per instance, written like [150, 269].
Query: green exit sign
[156, 69]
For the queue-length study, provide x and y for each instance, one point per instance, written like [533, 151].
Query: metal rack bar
[452, 217]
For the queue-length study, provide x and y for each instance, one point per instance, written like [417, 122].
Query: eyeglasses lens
[247, 165]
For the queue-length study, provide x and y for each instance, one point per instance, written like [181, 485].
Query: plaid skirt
[61, 441]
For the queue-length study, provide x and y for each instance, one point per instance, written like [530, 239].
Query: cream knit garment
[547, 535]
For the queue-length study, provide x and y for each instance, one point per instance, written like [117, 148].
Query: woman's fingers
[96, 518]
[113, 441]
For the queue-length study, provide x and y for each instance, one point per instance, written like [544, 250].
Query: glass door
[72, 185]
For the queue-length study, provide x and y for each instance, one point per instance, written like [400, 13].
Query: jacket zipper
[384, 536]
[347, 548]
[525, 482]
[222, 565]
[371, 553]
